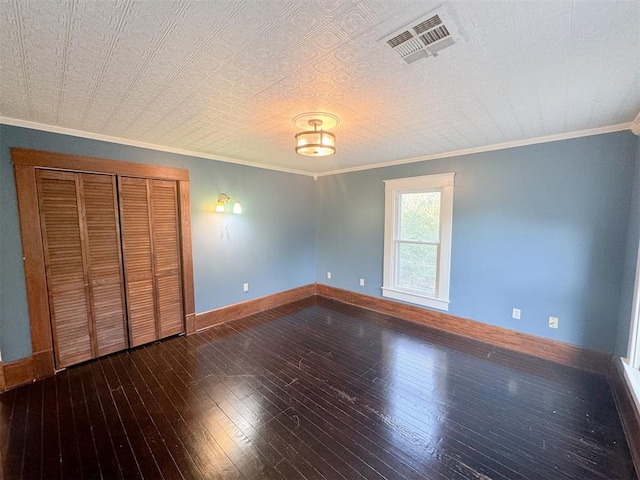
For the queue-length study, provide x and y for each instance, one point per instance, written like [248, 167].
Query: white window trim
[632, 361]
[444, 183]
[633, 348]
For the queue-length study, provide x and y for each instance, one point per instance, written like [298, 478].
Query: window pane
[420, 216]
[417, 267]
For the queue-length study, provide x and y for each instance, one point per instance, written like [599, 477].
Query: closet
[105, 241]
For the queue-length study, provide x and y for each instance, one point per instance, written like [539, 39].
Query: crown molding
[134, 143]
[488, 148]
[634, 126]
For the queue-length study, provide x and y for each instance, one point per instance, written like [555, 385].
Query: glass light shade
[219, 207]
[237, 209]
[315, 143]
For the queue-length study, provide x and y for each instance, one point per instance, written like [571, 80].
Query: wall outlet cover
[516, 313]
[553, 322]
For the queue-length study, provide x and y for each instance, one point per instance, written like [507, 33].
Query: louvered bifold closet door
[166, 248]
[84, 275]
[105, 262]
[138, 260]
[150, 237]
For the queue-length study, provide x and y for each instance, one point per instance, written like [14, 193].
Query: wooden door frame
[25, 163]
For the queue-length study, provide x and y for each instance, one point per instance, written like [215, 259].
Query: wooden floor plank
[69, 438]
[237, 446]
[453, 464]
[205, 443]
[315, 390]
[164, 455]
[50, 431]
[34, 432]
[127, 463]
[16, 449]
[136, 437]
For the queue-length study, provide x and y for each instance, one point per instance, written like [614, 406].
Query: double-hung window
[417, 240]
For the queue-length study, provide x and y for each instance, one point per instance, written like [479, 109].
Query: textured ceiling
[225, 78]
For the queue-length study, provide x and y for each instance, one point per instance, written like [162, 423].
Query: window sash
[396, 270]
[394, 189]
[395, 265]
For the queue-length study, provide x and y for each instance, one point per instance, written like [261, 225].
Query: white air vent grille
[425, 37]
[399, 39]
[427, 24]
[434, 35]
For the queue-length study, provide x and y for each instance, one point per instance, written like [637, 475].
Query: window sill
[430, 302]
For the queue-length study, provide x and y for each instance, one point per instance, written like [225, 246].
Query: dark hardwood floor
[315, 389]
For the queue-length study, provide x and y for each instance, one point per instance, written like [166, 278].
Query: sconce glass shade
[222, 199]
[315, 143]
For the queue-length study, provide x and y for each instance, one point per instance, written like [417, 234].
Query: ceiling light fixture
[317, 142]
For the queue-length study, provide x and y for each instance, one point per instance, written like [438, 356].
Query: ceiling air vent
[424, 37]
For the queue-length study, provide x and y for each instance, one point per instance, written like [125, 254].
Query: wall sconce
[222, 200]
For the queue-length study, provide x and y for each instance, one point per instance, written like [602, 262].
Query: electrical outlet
[516, 313]
[328, 274]
[362, 282]
[553, 322]
[245, 287]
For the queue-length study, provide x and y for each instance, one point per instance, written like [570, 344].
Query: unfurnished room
[320, 239]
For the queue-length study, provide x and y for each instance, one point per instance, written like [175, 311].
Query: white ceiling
[225, 78]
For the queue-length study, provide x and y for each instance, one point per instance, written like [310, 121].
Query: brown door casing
[26, 165]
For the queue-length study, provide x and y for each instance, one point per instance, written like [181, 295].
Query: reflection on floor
[315, 389]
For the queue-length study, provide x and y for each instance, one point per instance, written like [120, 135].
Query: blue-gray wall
[271, 245]
[631, 257]
[542, 228]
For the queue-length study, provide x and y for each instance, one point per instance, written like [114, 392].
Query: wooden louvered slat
[104, 260]
[166, 248]
[138, 260]
[66, 276]
[170, 300]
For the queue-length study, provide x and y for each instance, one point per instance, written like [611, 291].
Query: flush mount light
[317, 142]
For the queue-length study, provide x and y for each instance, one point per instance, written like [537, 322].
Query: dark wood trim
[250, 307]
[2, 382]
[43, 364]
[189, 304]
[76, 163]
[629, 415]
[190, 324]
[552, 350]
[34, 263]
[18, 373]
[25, 163]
